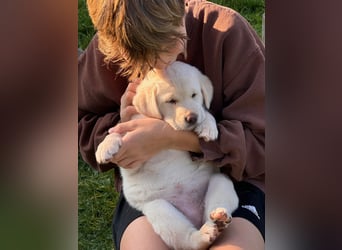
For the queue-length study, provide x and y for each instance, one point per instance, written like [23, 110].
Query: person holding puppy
[133, 37]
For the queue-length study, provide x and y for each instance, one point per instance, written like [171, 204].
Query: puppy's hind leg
[174, 228]
[220, 201]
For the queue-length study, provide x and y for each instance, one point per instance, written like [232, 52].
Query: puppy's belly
[171, 176]
[190, 201]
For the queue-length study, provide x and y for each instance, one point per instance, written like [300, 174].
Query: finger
[118, 159]
[127, 98]
[128, 163]
[122, 128]
[127, 113]
[133, 85]
[129, 93]
[122, 159]
[137, 81]
[134, 164]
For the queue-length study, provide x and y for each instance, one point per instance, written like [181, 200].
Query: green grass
[252, 10]
[96, 195]
[96, 203]
[85, 26]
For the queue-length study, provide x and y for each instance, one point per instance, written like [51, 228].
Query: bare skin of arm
[159, 136]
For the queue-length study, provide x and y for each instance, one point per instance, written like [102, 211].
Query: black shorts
[251, 207]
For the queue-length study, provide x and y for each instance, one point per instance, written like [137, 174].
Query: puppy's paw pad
[221, 218]
[108, 148]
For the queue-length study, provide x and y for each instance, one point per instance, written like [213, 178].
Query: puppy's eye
[193, 95]
[172, 101]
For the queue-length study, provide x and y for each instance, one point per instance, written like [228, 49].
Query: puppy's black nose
[191, 118]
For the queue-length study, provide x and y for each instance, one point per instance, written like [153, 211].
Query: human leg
[247, 230]
[140, 235]
[241, 234]
[131, 230]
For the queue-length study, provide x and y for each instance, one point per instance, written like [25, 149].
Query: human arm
[159, 135]
[240, 148]
[233, 57]
[99, 94]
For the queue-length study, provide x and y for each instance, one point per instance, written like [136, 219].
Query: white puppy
[187, 202]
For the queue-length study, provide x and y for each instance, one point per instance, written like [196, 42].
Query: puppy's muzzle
[191, 119]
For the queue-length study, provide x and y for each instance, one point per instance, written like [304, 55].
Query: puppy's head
[178, 95]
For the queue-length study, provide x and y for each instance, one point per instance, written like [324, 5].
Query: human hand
[143, 138]
[127, 110]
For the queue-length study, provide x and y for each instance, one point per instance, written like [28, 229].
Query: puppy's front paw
[207, 129]
[108, 148]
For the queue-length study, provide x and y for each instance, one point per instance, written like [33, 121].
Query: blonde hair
[134, 33]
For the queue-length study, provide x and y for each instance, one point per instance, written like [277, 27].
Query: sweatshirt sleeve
[240, 148]
[99, 93]
[234, 59]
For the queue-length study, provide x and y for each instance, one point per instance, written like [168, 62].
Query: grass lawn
[96, 195]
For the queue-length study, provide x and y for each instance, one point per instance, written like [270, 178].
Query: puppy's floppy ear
[207, 90]
[145, 101]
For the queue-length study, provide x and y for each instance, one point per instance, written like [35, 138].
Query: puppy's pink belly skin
[191, 204]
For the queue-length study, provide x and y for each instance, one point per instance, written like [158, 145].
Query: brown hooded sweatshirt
[224, 47]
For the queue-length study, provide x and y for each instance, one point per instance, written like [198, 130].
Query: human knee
[140, 235]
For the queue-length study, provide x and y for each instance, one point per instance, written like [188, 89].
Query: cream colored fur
[187, 202]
